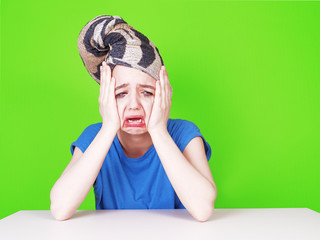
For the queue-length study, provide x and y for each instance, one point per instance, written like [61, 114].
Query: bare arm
[188, 172]
[77, 179]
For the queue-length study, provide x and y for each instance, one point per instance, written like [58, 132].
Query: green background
[247, 73]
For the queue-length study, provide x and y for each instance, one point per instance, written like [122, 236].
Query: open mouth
[134, 121]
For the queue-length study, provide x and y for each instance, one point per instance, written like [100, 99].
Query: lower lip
[134, 124]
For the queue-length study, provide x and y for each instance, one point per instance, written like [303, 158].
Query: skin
[134, 94]
[188, 172]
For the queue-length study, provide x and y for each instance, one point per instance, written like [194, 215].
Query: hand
[162, 103]
[108, 106]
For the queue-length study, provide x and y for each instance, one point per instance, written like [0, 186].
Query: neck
[134, 146]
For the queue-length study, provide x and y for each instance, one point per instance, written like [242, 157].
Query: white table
[267, 223]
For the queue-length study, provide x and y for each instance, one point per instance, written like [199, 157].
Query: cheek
[120, 108]
[148, 104]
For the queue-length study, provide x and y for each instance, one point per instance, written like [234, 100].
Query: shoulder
[86, 137]
[178, 125]
[90, 132]
[93, 129]
[182, 131]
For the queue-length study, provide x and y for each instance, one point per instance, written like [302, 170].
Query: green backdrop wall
[247, 73]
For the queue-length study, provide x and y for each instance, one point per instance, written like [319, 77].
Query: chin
[134, 131]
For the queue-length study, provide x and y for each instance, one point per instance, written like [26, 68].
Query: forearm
[195, 191]
[74, 184]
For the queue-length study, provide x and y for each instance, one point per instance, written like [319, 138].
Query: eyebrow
[121, 86]
[147, 86]
[139, 85]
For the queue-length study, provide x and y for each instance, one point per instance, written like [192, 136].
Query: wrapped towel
[111, 39]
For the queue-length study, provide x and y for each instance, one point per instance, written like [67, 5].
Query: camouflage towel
[111, 39]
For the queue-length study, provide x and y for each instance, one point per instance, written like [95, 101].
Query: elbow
[205, 214]
[58, 214]
[206, 209]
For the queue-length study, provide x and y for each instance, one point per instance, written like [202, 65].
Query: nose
[134, 102]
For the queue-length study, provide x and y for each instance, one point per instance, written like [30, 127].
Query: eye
[121, 94]
[146, 93]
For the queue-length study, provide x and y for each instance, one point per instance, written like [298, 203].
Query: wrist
[108, 130]
[158, 132]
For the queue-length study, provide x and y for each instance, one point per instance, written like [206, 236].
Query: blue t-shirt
[137, 183]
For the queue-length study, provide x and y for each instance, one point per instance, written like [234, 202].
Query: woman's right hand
[108, 106]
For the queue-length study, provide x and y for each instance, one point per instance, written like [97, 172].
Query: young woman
[137, 158]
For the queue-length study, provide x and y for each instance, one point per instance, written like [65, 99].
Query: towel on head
[111, 39]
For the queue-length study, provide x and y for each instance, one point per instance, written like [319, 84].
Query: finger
[166, 85]
[156, 101]
[163, 92]
[108, 72]
[111, 92]
[102, 83]
[106, 79]
[170, 90]
[157, 98]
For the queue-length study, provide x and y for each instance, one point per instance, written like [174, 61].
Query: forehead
[131, 76]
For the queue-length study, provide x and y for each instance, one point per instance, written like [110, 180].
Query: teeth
[138, 121]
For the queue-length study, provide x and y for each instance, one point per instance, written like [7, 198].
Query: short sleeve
[183, 131]
[86, 137]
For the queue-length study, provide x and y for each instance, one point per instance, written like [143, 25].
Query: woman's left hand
[161, 105]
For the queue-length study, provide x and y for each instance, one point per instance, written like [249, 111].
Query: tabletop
[262, 223]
